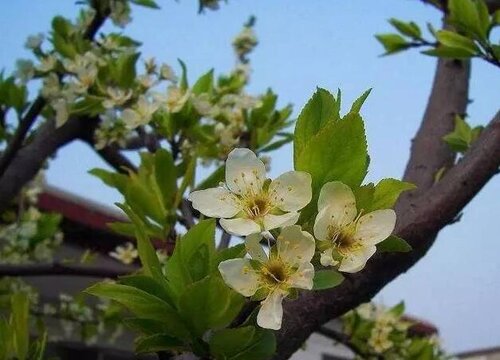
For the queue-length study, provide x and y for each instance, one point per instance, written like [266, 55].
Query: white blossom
[167, 73]
[125, 254]
[287, 267]
[116, 97]
[176, 98]
[249, 203]
[34, 41]
[140, 114]
[47, 63]
[346, 232]
[60, 106]
[25, 70]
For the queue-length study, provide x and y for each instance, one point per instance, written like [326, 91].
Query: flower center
[257, 207]
[343, 237]
[274, 273]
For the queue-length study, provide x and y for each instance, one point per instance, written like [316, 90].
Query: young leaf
[209, 304]
[320, 110]
[146, 3]
[454, 40]
[326, 279]
[392, 43]
[358, 103]
[19, 325]
[393, 244]
[407, 28]
[204, 84]
[387, 192]
[231, 344]
[158, 342]
[143, 305]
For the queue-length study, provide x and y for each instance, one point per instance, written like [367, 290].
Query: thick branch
[419, 221]
[449, 97]
[61, 269]
[493, 5]
[31, 158]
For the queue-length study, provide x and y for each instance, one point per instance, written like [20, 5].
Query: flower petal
[244, 172]
[327, 259]
[295, 246]
[276, 221]
[291, 191]
[240, 226]
[340, 198]
[356, 260]
[239, 275]
[303, 277]
[376, 226]
[323, 221]
[271, 311]
[216, 202]
[254, 248]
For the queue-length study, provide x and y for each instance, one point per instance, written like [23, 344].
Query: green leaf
[245, 343]
[454, 40]
[392, 43]
[394, 244]
[462, 136]
[145, 326]
[184, 82]
[464, 15]
[336, 153]
[188, 263]
[398, 310]
[233, 252]
[89, 105]
[19, 325]
[227, 343]
[146, 3]
[320, 110]
[112, 179]
[364, 196]
[326, 279]
[165, 175]
[407, 28]
[123, 69]
[449, 52]
[387, 192]
[204, 84]
[358, 103]
[37, 350]
[143, 305]
[5, 339]
[158, 342]
[209, 304]
[149, 285]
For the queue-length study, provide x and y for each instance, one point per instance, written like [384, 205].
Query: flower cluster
[126, 254]
[377, 331]
[251, 205]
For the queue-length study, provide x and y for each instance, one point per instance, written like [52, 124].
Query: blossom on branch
[248, 202]
[272, 277]
[348, 236]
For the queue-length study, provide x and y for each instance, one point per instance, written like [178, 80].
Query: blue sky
[327, 43]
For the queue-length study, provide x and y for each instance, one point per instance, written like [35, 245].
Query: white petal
[239, 275]
[327, 259]
[291, 191]
[324, 219]
[271, 311]
[276, 221]
[303, 277]
[340, 198]
[215, 202]
[295, 246]
[240, 226]
[376, 226]
[254, 248]
[356, 261]
[244, 172]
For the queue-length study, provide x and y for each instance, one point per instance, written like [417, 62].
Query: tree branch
[31, 158]
[449, 97]
[61, 269]
[493, 5]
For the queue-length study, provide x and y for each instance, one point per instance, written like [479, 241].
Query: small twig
[61, 269]
[187, 214]
[225, 240]
[346, 341]
[117, 160]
